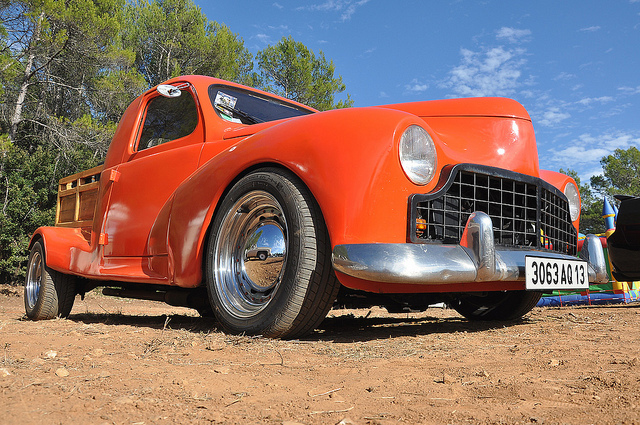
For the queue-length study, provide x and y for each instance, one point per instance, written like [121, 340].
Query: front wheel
[47, 293]
[508, 305]
[288, 293]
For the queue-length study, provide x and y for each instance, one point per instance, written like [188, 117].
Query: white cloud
[590, 29]
[553, 116]
[574, 155]
[618, 141]
[263, 38]
[351, 9]
[416, 86]
[281, 28]
[493, 72]
[613, 111]
[346, 7]
[277, 5]
[367, 53]
[630, 90]
[587, 150]
[513, 35]
[564, 76]
[589, 100]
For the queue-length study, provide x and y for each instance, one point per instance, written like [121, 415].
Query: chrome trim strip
[476, 259]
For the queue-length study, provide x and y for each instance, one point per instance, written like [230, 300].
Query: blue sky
[575, 65]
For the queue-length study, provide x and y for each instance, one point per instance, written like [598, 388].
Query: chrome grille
[526, 212]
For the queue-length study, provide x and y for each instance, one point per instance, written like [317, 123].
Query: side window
[167, 119]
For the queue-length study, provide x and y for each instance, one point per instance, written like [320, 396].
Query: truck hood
[496, 132]
[492, 131]
[467, 107]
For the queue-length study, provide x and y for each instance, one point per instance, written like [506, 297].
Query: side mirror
[168, 90]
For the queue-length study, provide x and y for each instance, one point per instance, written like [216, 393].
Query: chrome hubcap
[250, 254]
[34, 279]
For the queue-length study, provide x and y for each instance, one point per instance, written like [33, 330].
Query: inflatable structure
[610, 292]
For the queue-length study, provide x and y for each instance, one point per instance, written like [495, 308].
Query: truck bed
[77, 196]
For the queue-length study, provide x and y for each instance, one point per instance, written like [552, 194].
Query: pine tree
[292, 70]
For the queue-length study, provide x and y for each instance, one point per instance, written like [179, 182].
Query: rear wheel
[509, 305]
[290, 292]
[47, 293]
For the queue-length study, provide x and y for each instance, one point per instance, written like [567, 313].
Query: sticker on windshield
[225, 101]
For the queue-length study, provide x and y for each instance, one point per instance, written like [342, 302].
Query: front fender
[352, 171]
[560, 181]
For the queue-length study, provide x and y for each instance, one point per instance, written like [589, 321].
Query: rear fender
[66, 249]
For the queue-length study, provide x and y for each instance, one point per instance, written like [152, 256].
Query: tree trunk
[26, 80]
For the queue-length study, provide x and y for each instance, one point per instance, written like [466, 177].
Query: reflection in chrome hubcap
[250, 254]
[264, 255]
[34, 279]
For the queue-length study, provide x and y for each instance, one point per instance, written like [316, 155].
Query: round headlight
[571, 192]
[418, 155]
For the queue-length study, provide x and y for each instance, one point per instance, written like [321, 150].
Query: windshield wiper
[225, 109]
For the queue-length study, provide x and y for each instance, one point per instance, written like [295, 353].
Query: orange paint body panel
[155, 217]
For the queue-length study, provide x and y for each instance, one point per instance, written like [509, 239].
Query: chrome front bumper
[475, 259]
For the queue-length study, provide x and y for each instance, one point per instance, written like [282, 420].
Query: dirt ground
[118, 361]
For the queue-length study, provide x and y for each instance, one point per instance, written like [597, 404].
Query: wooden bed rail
[77, 196]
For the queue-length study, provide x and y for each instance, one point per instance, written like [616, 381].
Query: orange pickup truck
[401, 205]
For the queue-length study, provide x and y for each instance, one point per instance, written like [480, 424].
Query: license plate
[551, 273]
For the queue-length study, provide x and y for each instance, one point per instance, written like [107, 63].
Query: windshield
[246, 107]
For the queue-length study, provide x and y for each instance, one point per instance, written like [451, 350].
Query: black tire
[509, 305]
[300, 285]
[262, 256]
[47, 293]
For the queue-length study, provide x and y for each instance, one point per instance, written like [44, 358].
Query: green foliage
[56, 57]
[621, 174]
[173, 37]
[292, 70]
[115, 91]
[252, 242]
[591, 220]
[82, 135]
[28, 186]
[23, 209]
